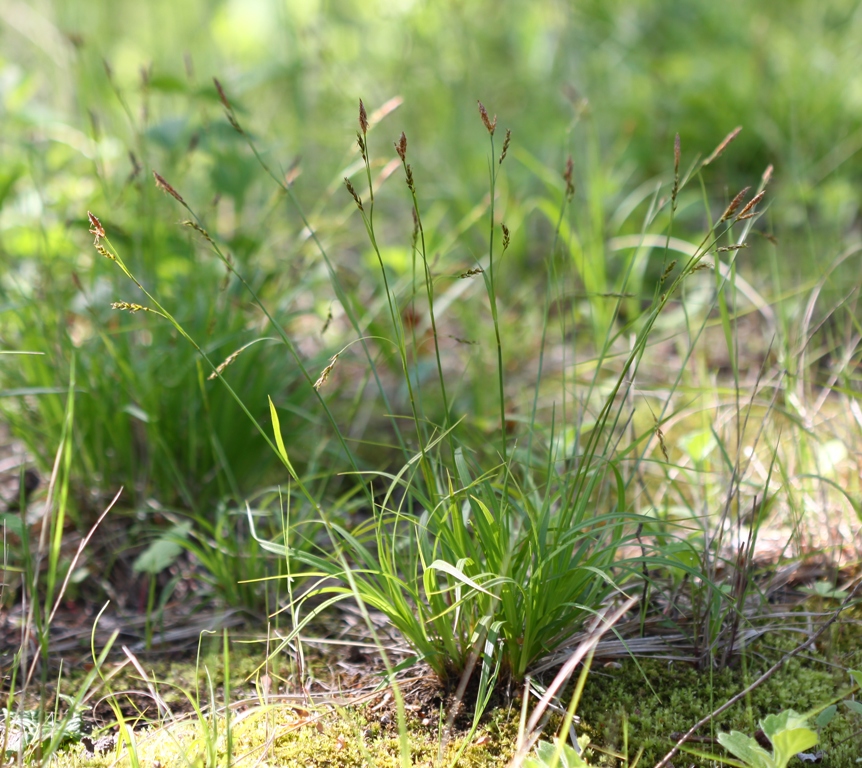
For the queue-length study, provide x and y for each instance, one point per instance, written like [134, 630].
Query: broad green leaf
[854, 706]
[825, 717]
[11, 523]
[788, 742]
[163, 552]
[561, 755]
[789, 734]
[746, 749]
[772, 725]
[683, 553]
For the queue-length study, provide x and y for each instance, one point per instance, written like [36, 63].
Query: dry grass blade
[600, 625]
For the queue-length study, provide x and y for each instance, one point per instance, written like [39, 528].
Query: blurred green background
[95, 95]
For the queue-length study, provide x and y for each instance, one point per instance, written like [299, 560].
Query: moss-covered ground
[632, 711]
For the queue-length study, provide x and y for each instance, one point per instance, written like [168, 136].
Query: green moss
[662, 698]
[623, 710]
[289, 736]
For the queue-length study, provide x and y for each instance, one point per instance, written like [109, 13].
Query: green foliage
[559, 755]
[470, 423]
[28, 731]
[788, 733]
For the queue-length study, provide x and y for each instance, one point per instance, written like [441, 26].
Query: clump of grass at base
[491, 568]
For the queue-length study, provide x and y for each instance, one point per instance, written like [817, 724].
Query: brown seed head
[96, 228]
[227, 361]
[415, 226]
[410, 184]
[363, 118]
[506, 239]
[721, 147]
[489, 124]
[327, 322]
[668, 269]
[360, 140]
[401, 147]
[324, 375]
[660, 435]
[751, 203]
[734, 204]
[353, 192]
[677, 153]
[567, 177]
[165, 187]
[221, 95]
[767, 175]
[505, 145]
